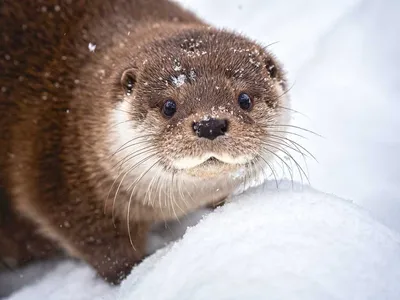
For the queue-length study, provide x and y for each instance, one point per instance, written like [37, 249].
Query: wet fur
[67, 125]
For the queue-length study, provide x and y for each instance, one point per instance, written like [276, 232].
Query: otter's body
[70, 71]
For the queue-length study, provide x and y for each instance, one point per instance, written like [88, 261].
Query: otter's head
[201, 105]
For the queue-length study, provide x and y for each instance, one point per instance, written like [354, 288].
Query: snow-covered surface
[275, 245]
[266, 244]
[342, 56]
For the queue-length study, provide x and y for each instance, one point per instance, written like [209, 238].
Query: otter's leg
[102, 243]
[115, 253]
[20, 242]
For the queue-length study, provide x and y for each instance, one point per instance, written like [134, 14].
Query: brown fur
[56, 166]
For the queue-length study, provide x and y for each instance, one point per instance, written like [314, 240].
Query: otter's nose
[211, 128]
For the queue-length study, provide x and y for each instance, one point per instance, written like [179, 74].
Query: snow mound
[290, 243]
[275, 244]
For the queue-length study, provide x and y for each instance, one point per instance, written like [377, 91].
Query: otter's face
[206, 104]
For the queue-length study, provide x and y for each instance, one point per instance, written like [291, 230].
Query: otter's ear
[128, 80]
[272, 67]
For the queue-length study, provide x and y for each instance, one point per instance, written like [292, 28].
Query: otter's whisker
[272, 170]
[292, 110]
[282, 160]
[281, 142]
[124, 111]
[285, 92]
[293, 126]
[130, 141]
[290, 160]
[297, 146]
[119, 123]
[300, 169]
[130, 169]
[189, 195]
[170, 194]
[173, 201]
[130, 201]
[122, 148]
[286, 133]
[132, 155]
[150, 189]
[133, 184]
[270, 44]
[115, 180]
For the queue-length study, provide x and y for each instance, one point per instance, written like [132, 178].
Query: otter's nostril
[224, 126]
[211, 128]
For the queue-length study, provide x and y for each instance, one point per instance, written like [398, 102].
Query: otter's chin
[212, 168]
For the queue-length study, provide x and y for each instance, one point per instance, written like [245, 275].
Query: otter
[118, 114]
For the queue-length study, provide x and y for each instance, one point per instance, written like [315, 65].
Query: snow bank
[272, 244]
[66, 280]
[268, 243]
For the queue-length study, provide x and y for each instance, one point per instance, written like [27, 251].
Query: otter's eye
[245, 102]
[169, 108]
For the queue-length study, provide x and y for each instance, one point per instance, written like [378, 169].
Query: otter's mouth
[214, 167]
[211, 161]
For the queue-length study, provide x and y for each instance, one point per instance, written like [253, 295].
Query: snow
[179, 81]
[92, 47]
[266, 243]
[284, 244]
[342, 60]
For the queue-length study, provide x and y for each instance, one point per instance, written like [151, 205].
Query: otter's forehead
[204, 52]
[193, 61]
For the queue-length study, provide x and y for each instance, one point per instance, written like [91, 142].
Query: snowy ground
[342, 56]
[266, 244]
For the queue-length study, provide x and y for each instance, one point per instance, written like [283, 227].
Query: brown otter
[118, 114]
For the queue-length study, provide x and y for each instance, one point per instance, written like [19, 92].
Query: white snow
[275, 245]
[179, 81]
[265, 244]
[92, 47]
[342, 57]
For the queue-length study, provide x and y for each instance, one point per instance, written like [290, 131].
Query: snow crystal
[192, 75]
[179, 81]
[177, 65]
[92, 47]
